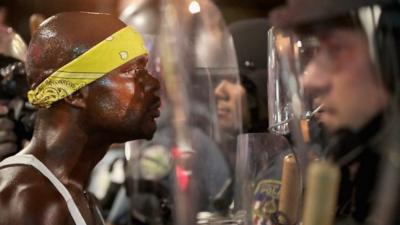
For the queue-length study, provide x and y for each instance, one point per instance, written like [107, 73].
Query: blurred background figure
[16, 115]
[3, 15]
[8, 139]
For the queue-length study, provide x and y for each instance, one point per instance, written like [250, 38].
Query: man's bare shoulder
[27, 197]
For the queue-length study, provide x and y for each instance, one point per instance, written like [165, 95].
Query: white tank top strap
[27, 159]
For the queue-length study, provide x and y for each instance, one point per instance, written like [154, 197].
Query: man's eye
[130, 72]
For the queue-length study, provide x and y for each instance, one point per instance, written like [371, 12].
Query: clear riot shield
[200, 73]
[13, 83]
[149, 170]
[288, 99]
[149, 164]
[160, 193]
[279, 104]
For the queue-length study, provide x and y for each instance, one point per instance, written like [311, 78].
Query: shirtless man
[78, 119]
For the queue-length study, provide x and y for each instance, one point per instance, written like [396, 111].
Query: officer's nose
[220, 90]
[315, 79]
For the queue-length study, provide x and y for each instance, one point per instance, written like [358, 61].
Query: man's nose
[315, 79]
[152, 83]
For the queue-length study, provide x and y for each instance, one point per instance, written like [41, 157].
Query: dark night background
[19, 11]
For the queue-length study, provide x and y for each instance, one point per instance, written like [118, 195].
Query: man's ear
[78, 98]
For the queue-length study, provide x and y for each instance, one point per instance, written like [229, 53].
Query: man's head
[122, 103]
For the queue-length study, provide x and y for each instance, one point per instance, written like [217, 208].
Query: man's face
[231, 100]
[125, 102]
[342, 77]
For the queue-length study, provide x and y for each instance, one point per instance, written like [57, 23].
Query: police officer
[343, 55]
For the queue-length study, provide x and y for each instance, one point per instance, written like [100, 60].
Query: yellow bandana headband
[121, 47]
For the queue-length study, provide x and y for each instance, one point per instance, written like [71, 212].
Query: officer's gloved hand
[8, 138]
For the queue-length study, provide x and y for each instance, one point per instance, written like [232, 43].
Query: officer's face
[126, 101]
[231, 100]
[343, 77]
